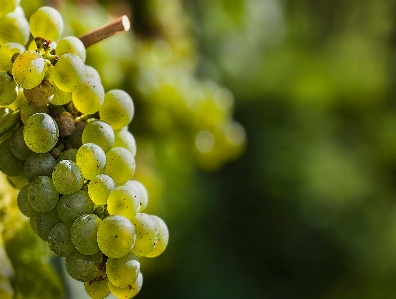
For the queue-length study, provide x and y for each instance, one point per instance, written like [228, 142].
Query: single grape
[59, 240]
[120, 164]
[123, 271]
[163, 237]
[18, 181]
[38, 165]
[44, 222]
[42, 194]
[89, 96]
[40, 132]
[129, 291]
[125, 139]
[66, 124]
[14, 28]
[84, 233]
[28, 109]
[71, 206]
[142, 193]
[46, 22]
[8, 6]
[68, 155]
[100, 133]
[71, 44]
[116, 236]
[67, 177]
[7, 51]
[69, 72]
[41, 95]
[117, 109]
[99, 189]
[9, 164]
[18, 145]
[23, 202]
[91, 159]
[29, 69]
[97, 289]
[146, 234]
[92, 72]
[61, 97]
[123, 201]
[8, 89]
[81, 267]
[9, 120]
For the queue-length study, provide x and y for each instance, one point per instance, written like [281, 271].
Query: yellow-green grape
[7, 6]
[129, 291]
[38, 165]
[142, 193]
[19, 181]
[9, 120]
[84, 233]
[120, 164]
[97, 289]
[71, 44]
[47, 23]
[100, 133]
[116, 236]
[44, 222]
[69, 72]
[42, 194]
[60, 97]
[9, 164]
[59, 240]
[89, 96]
[29, 69]
[68, 155]
[41, 95]
[40, 132]
[18, 145]
[67, 177]
[99, 189]
[14, 28]
[8, 89]
[123, 201]
[6, 52]
[81, 267]
[163, 237]
[71, 206]
[146, 234]
[123, 272]
[91, 160]
[117, 109]
[124, 138]
[28, 109]
[23, 202]
[91, 72]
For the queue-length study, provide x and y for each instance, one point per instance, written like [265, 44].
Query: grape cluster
[64, 142]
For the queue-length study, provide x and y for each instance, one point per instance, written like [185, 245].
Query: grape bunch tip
[64, 143]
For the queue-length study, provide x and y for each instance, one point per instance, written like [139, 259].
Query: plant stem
[121, 24]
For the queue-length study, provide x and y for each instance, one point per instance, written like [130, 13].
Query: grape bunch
[64, 142]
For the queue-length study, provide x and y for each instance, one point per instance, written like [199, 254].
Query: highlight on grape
[64, 143]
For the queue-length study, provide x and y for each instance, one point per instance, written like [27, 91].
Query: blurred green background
[266, 136]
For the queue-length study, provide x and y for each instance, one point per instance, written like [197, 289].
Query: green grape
[69, 72]
[6, 52]
[146, 234]
[38, 165]
[125, 139]
[92, 73]
[40, 132]
[163, 237]
[116, 236]
[41, 95]
[28, 109]
[23, 202]
[100, 133]
[84, 233]
[117, 109]
[97, 289]
[9, 164]
[8, 89]
[14, 28]
[61, 97]
[123, 201]
[68, 155]
[18, 181]
[71, 44]
[89, 96]
[29, 69]
[123, 272]
[120, 164]
[75, 139]
[81, 267]
[8, 121]
[129, 291]
[8, 6]
[67, 177]
[99, 189]
[44, 222]
[71, 206]
[42, 194]
[91, 159]
[143, 195]
[47, 23]
[18, 145]
[59, 240]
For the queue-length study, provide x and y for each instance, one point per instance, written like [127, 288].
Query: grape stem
[121, 24]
